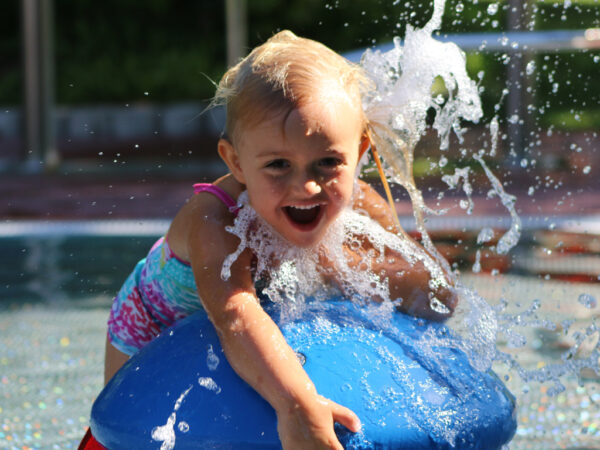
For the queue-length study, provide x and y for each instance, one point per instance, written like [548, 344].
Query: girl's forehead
[329, 115]
[311, 126]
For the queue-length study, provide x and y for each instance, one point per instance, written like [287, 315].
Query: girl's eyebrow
[272, 154]
[285, 153]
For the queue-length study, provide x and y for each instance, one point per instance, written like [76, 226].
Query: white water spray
[397, 112]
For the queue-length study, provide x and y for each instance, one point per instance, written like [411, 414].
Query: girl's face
[299, 166]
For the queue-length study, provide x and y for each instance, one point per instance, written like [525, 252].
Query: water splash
[166, 433]
[454, 180]
[511, 237]
[292, 274]
[397, 113]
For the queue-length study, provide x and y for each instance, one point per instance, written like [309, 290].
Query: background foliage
[169, 50]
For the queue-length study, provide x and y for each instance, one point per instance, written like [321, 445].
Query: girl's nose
[313, 187]
[310, 187]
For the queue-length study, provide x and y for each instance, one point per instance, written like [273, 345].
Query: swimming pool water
[55, 294]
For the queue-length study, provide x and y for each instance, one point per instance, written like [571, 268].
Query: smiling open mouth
[303, 215]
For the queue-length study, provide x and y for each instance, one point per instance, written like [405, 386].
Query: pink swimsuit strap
[220, 193]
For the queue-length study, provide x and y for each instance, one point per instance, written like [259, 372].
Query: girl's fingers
[345, 416]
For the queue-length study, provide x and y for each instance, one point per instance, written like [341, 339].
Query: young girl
[294, 135]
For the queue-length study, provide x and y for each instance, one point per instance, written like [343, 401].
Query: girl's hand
[311, 426]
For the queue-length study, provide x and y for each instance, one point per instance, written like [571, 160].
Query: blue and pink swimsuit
[160, 291]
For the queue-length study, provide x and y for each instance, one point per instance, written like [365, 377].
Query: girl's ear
[230, 156]
[365, 143]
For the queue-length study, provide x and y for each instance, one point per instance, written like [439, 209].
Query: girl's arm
[113, 360]
[254, 345]
[407, 282]
[369, 201]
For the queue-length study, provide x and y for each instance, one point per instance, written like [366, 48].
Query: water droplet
[530, 68]
[460, 7]
[477, 265]
[210, 384]
[183, 427]
[587, 169]
[588, 301]
[492, 9]
[346, 387]
[212, 360]
[530, 191]
[524, 162]
[301, 357]
[485, 235]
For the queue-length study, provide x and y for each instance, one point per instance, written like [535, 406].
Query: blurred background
[119, 89]
[104, 128]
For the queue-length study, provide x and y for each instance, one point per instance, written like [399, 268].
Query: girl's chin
[304, 243]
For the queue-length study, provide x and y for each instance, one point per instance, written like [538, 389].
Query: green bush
[169, 50]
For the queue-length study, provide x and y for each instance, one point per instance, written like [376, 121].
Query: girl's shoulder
[206, 213]
[230, 185]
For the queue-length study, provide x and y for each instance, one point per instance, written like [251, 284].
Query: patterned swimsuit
[160, 291]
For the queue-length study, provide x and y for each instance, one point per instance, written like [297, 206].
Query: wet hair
[285, 72]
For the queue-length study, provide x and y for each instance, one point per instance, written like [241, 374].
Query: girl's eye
[278, 164]
[330, 162]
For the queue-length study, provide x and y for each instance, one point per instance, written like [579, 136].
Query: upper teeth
[305, 207]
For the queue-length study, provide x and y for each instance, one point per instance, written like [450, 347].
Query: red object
[90, 443]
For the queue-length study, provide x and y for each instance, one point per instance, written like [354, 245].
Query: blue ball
[408, 388]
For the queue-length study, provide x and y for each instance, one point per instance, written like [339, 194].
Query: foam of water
[294, 273]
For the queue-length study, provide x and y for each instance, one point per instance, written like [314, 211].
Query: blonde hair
[281, 74]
